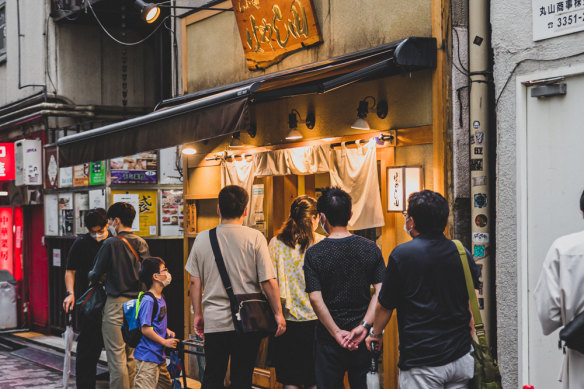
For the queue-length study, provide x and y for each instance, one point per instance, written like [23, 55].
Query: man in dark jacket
[79, 261]
[424, 281]
[119, 260]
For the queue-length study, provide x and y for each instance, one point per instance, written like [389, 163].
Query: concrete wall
[73, 60]
[215, 53]
[531, 55]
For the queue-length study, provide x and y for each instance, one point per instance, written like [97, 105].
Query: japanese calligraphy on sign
[553, 18]
[272, 29]
[145, 202]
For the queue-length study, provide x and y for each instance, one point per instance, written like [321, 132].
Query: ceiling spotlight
[236, 142]
[148, 11]
[189, 150]
[361, 123]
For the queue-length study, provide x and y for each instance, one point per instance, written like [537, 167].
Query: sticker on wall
[478, 150]
[476, 124]
[480, 237]
[479, 251]
[472, 140]
[476, 165]
[480, 200]
[479, 137]
[481, 220]
[479, 181]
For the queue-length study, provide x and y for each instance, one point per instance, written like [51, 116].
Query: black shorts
[294, 354]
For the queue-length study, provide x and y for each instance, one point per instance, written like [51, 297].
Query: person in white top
[559, 296]
[248, 264]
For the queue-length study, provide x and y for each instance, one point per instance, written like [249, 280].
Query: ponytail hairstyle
[298, 228]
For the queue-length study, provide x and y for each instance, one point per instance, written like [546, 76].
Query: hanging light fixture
[188, 150]
[148, 11]
[293, 119]
[363, 109]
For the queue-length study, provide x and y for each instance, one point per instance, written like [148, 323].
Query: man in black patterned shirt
[339, 272]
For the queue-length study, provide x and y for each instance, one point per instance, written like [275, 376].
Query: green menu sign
[97, 173]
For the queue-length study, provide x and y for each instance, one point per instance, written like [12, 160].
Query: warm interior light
[294, 134]
[3, 193]
[361, 124]
[189, 150]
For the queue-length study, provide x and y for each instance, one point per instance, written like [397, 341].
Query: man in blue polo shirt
[424, 281]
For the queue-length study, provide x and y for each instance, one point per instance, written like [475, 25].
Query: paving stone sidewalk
[17, 373]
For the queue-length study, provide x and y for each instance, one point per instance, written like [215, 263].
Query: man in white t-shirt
[250, 269]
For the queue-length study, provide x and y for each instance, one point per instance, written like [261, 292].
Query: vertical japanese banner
[146, 204]
[6, 239]
[18, 252]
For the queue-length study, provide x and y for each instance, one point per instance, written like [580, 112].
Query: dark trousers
[89, 346]
[332, 361]
[243, 349]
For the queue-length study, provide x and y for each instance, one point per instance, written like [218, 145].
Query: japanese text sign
[6, 240]
[555, 18]
[7, 161]
[272, 29]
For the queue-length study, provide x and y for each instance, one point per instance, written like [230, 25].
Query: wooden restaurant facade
[278, 99]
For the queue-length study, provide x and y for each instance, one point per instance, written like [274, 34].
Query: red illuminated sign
[6, 240]
[18, 250]
[7, 168]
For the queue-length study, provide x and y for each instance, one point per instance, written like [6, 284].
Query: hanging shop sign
[171, 213]
[552, 18]
[7, 167]
[97, 173]
[145, 202]
[81, 175]
[6, 239]
[52, 168]
[271, 30]
[135, 169]
[28, 162]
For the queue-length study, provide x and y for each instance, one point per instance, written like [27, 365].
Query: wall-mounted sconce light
[402, 181]
[293, 119]
[363, 109]
[236, 142]
[148, 11]
[188, 150]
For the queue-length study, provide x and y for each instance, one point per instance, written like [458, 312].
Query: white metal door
[555, 180]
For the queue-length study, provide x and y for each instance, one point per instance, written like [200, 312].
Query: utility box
[9, 317]
[28, 162]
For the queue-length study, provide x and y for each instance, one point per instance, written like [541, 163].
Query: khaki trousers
[120, 357]
[150, 375]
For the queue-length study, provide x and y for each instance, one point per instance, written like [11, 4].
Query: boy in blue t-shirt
[151, 371]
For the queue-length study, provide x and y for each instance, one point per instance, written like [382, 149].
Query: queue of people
[331, 297]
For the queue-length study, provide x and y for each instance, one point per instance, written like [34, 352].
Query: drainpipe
[481, 201]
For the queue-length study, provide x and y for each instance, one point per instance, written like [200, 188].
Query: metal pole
[479, 152]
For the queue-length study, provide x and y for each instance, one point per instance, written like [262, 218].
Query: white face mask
[322, 225]
[165, 282]
[112, 229]
[406, 227]
[99, 236]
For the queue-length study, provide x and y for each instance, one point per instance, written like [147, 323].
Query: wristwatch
[366, 325]
[373, 335]
[68, 293]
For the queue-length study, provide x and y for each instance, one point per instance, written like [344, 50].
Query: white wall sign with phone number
[552, 18]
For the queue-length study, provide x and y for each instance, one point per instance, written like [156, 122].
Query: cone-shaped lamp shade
[149, 12]
[294, 134]
[361, 124]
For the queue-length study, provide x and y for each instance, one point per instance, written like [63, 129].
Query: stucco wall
[512, 42]
[215, 53]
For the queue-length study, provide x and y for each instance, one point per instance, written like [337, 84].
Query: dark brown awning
[205, 118]
[223, 110]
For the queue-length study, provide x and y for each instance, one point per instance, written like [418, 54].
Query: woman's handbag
[573, 334]
[486, 375]
[91, 303]
[250, 312]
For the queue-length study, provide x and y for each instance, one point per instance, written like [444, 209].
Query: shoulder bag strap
[472, 297]
[222, 270]
[131, 248]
